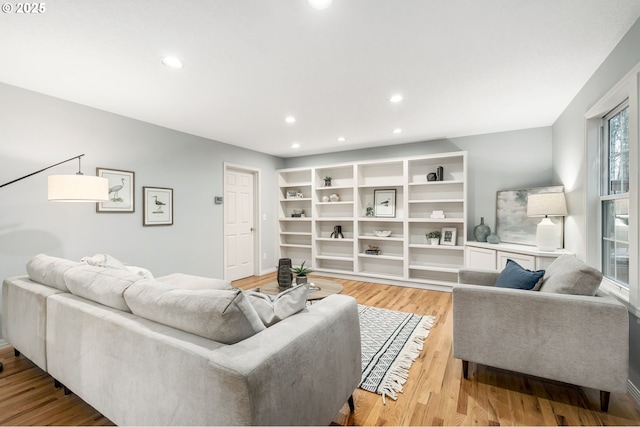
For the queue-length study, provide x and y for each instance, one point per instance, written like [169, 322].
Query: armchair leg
[16, 353]
[465, 369]
[604, 400]
[352, 406]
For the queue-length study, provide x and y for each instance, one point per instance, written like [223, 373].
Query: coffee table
[327, 287]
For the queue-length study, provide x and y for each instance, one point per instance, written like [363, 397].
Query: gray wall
[497, 161]
[39, 130]
[570, 168]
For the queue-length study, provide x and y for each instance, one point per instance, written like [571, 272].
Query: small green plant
[327, 178]
[301, 270]
[434, 235]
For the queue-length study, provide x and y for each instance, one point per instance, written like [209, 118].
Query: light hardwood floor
[434, 394]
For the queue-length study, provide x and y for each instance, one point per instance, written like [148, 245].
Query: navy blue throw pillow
[516, 277]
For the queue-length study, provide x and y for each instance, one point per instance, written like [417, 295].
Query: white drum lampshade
[78, 188]
[546, 205]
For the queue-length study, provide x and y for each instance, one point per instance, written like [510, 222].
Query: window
[614, 195]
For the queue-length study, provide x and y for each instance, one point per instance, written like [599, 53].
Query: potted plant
[434, 236]
[327, 181]
[301, 273]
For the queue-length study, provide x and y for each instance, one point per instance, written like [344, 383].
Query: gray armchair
[577, 339]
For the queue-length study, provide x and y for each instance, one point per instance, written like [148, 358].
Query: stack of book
[437, 214]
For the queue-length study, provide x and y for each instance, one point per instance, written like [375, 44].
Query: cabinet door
[480, 258]
[526, 261]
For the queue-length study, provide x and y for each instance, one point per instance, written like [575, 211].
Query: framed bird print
[121, 191]
[384, 202]
[157, 206]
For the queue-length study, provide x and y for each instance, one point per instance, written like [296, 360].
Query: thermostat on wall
[218, 200]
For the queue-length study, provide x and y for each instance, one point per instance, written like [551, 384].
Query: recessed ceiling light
[342, 139]
[290, 119]
[395, 98]
[319, 4]
[397, 130]
[295, 145]
[172, 62]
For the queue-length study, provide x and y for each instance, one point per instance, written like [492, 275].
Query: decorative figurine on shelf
[285, 276]
[439, 173]
[301, 273]
[481, 231]
[337, 232]
[325, 199]
[432, 176]
[369, 211]
[327, 181]
[334, 197]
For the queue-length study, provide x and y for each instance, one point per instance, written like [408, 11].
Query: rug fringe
[398, 373]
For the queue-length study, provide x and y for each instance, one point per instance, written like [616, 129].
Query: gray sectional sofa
[141, 351]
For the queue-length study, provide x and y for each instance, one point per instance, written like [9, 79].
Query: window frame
[626, 88]
[605, 187]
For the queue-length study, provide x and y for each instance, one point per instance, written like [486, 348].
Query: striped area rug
[391, 341]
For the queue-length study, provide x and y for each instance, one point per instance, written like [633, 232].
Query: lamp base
[547, 235]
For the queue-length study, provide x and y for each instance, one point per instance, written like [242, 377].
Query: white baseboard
[634, 391]
[4, 343]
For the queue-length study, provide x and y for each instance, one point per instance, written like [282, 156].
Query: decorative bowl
[382, 233]
[298, 211]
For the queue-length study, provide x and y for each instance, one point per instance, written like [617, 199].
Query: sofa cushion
[569, 275]
[222, 315]
[187, 281]
[516, 277]
[139, 271]
[102, 285]
[273, 309]
[49, 270]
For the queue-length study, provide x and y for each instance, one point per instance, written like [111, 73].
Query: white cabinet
[348, 203]
[489, 256]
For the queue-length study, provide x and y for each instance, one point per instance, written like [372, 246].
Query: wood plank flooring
[435, 393]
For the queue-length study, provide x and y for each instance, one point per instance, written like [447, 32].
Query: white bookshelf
[406, 255]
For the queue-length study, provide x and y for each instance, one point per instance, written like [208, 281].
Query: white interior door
[239, 244]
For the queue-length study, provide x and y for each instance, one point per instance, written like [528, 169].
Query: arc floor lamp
[73, 188]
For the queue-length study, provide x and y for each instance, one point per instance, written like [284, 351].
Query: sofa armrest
[313, 356]
[473, 276]
[580, 340]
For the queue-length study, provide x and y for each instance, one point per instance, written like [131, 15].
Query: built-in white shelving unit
[406, 255]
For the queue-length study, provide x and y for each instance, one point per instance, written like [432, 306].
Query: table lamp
[546, 205]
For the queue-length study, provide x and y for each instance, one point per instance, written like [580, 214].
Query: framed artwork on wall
[121, 191]
[512, 223]
[449, 236]
[384, 202]
[157, 206]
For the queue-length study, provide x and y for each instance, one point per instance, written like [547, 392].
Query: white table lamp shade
[78, 188]
[546, 205]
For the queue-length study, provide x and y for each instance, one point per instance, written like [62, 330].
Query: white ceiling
[464, 67]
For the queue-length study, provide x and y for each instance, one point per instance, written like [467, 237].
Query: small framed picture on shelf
[448, 236]
[292, 194]
[157, 206]
[384, 202]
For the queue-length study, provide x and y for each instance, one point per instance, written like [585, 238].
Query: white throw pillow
[103, 260]
[273, 309]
